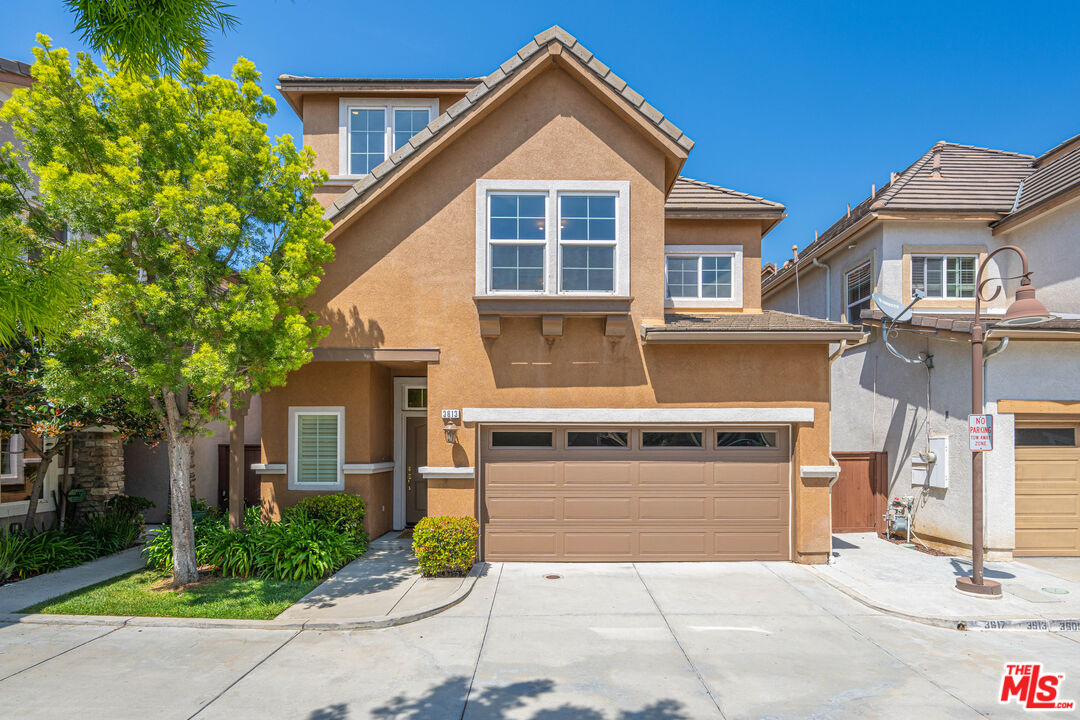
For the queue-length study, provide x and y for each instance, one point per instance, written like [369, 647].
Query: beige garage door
[1047, 488]
[612, 494]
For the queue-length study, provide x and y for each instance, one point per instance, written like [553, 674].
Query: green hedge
[24, 554]
[312, 540]
[346, 512]
[445, 545]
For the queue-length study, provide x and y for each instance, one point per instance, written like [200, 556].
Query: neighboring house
[929, 228]
[502, 341]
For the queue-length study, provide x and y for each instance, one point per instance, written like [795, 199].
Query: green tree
[42, 273]
[206, 234]
[151, 36]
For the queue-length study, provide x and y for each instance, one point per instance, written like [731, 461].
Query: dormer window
[703, 276]
[371, 130]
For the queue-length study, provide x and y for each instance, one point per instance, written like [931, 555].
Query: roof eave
[1014, 220]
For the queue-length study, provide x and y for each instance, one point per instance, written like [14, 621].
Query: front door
[415, 458]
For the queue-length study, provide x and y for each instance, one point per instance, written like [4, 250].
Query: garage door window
[726, 439]
[672, 439]
[597, 439]
[1045, 437]
[520, 438]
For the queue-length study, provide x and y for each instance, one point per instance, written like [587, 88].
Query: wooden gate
[252, 454]
[859, 495]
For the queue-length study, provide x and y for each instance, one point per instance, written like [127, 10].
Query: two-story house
[929, 229]
[536, 321]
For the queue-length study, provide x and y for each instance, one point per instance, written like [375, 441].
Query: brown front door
[858, 497]
[415, 458]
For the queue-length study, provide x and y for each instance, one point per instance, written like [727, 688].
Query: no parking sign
[980, 432]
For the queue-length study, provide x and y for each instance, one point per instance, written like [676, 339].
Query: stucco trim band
[368, 468]
[652, 416]
[361, 354]
[269, 468]
[756, 336]
[447, 472]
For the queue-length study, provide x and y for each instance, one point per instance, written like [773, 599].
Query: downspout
[828, 286]
[832, 458]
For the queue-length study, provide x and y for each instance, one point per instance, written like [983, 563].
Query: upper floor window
[703, 276]
[950, 277]
[859, 284]
[373, 129]
[552, 237]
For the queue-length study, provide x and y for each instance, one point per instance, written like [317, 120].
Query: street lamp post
[1025, 310]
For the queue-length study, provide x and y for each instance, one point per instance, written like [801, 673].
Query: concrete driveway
[619, 641]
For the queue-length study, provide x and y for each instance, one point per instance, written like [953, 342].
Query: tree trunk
[46, 455]
[185, 568]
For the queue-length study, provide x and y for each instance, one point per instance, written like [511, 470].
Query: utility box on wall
[933, 474]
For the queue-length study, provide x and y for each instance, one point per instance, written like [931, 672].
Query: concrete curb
[369, 623]
[957, 623]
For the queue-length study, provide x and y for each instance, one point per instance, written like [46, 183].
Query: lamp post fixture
[1025, 310]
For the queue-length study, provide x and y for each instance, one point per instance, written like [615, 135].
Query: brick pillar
[98, 459]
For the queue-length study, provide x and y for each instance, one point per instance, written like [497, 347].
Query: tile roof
[765, 321]
[961, 323]
[1056, 171]
[958, 177]
[688, 194]
[455, 113]
[15, 67]
[947, 178]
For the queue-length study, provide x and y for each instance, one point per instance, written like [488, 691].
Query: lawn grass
[145, 593]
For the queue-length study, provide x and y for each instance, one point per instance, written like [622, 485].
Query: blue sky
[806, 103]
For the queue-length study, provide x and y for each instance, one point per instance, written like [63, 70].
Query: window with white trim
[944, 277]
[703, 276]
[858, 285]
[374, 129]
[552, 237]
[316, 448]
[11, 460]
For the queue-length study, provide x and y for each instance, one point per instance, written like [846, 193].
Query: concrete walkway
[385, 583]
[23, 594]
[907, 583]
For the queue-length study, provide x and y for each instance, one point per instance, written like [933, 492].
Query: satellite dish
[893, 310]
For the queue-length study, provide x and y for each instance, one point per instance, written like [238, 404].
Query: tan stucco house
[536, 321]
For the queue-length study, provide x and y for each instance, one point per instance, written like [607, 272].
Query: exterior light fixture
[1026, 310]
[450, 430]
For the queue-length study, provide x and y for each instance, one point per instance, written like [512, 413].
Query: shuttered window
[949, 277]
[859, 286]
[317, 448]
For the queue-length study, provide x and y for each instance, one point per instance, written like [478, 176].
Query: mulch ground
[918, 546]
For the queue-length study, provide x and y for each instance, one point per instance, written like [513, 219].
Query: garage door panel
[597, 473]
[522, 473]
[730, 474]
[598, 544]
[763, 544]
[751, 508]
[672, 473]
[522, 508]
[672, 508]
[598, 508]
[636, 503]
[1047, 505]
[521, 544]
[678, 544]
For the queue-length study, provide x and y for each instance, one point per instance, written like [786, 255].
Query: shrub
[305, 548]
[445, 545]
[25, 554]
[13, 549]
[346, 512]
[158, 552]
